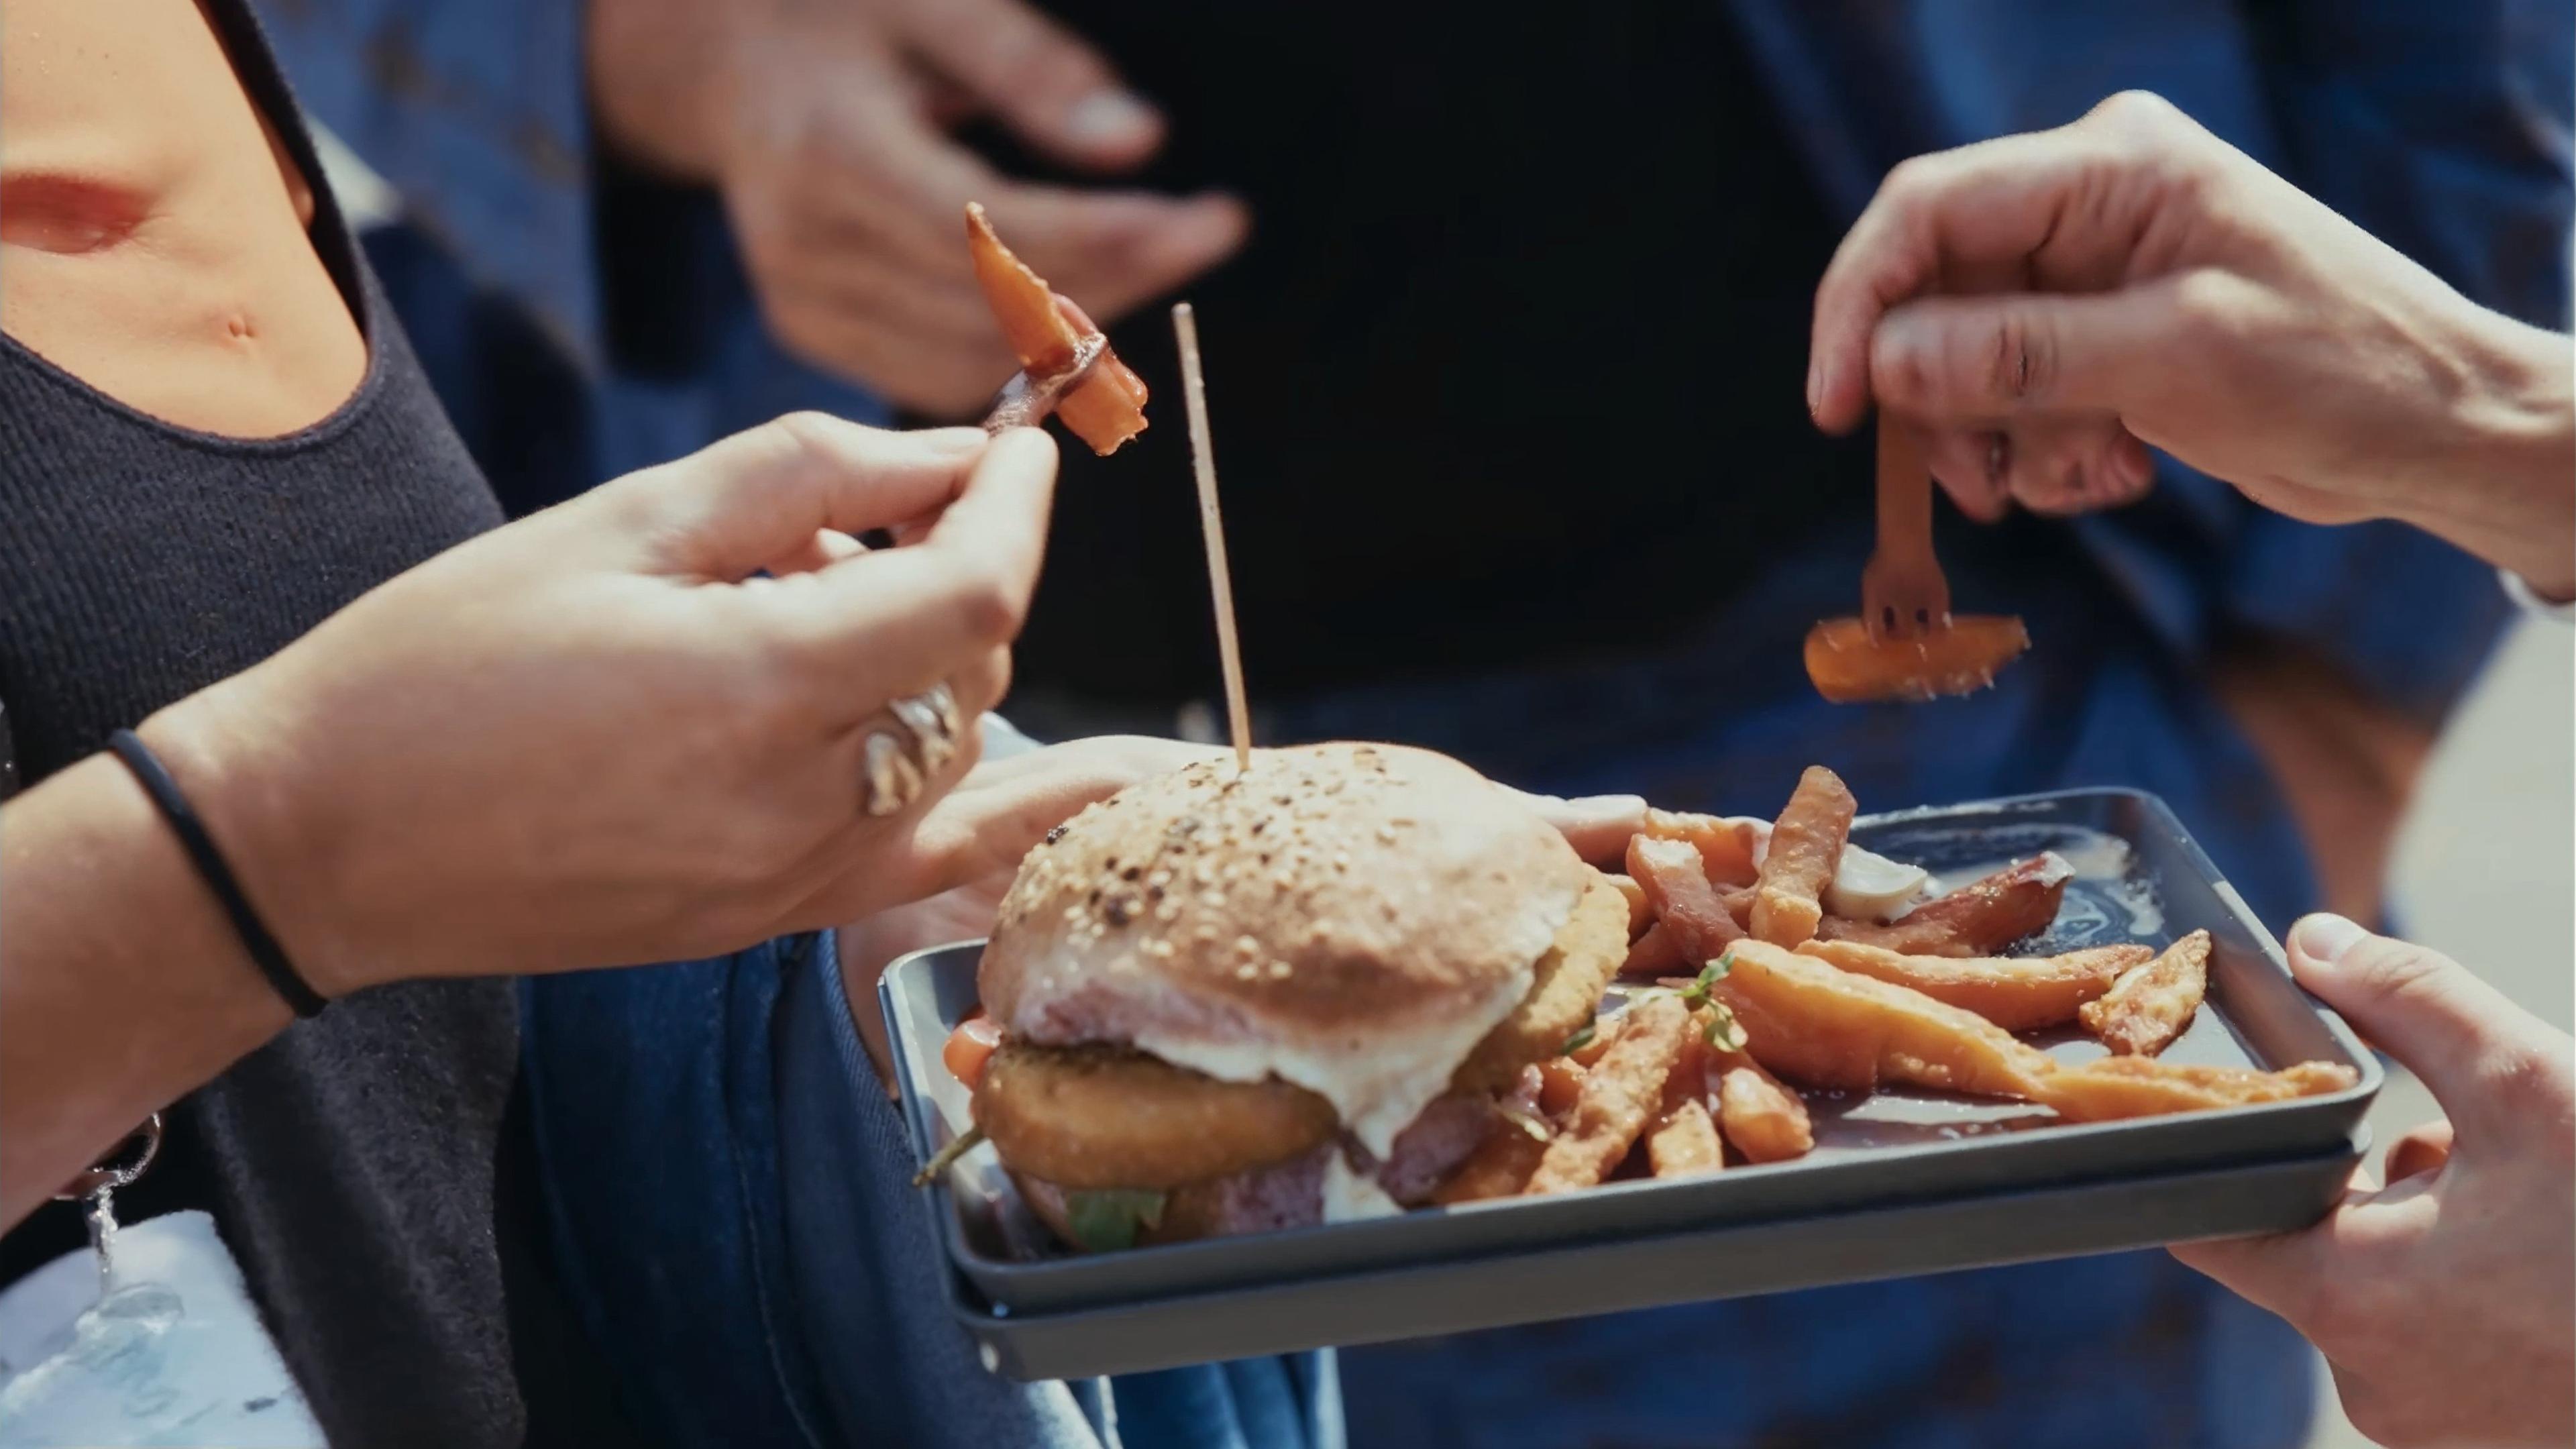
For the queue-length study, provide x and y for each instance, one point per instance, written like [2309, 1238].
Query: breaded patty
[1100, 1117]
[1566, 990]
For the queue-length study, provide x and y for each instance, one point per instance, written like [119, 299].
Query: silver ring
[899, 763]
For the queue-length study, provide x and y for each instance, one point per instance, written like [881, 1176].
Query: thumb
[1953, 359]
[2457, 1033]
[1041, 79]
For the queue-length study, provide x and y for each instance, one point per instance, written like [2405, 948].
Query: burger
[1231, 1000]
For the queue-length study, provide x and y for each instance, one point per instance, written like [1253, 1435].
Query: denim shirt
[734, 1221]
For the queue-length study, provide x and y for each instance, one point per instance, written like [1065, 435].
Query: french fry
[1651, 955]
[1686, 906]
[1499, 1167]
[1617, 1097]
[1806, 842]
[1044, 328]
[2017, 995]
[1640, 914]
[1765, 1119]
[1588, 1052]
[1725, 843]
[2116, 1088]
[1560, 1083]
[2151, 1004]
[1683, 1141]
[1978, 919]
[1820, 1025]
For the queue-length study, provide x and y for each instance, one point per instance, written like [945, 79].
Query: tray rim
[924, 1126]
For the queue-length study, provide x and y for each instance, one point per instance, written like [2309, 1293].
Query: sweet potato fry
[1683, 1141]
[1617, 1098]
[1725, 843]
[1651, 955]
[1806, 842]
[1847, 666]
[1106, 408]
[1686, 906]
[1978, 919]
[1826, 1027]
[1640, 914]
[2151, 1004]
[2017, 995]
[1499, 1167]
[1765, 1119]
[2121, 1087]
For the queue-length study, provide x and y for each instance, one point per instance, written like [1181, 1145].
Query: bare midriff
[154, 232]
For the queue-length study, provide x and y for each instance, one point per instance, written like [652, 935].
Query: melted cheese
[1350, 1197]
[1377, 1085]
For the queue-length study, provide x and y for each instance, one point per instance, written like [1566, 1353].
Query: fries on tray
[2040, 1031]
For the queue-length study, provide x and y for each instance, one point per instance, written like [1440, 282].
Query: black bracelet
[265, 953]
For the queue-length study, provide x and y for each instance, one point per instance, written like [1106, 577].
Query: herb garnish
[1107, 1220]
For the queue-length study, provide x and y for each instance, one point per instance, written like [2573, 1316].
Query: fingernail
[2325, 936]
[1109, 118]
[1815, 386]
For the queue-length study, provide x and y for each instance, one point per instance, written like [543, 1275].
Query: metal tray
[1900, 1183]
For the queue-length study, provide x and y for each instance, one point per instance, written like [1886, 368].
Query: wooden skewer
[1212, 523]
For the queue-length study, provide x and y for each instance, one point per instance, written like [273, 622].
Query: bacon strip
[1046, 331]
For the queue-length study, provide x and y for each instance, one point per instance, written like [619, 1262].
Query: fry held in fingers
[2015, 994]
[2150, 1005]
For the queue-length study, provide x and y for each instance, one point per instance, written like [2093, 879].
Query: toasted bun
[1350, 918]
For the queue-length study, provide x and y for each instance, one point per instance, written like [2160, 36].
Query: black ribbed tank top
[367, 1167]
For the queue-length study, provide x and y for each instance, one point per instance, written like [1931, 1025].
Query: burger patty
[1104, 1117]
[1094, 1117]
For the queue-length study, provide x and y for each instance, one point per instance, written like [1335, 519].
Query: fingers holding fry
[2151, 1004]
[1806, 845]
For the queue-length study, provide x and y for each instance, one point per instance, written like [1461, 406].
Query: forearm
[2505, 489]
[121, 983]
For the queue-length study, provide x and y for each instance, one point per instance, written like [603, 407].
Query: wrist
[232, 757]
[2503, 480]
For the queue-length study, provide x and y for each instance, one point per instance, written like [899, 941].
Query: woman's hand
[629, 728]
[2049, 305]
[2440, 1300]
